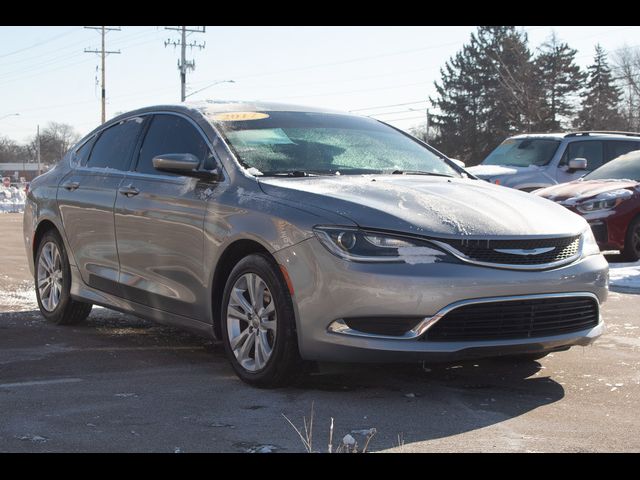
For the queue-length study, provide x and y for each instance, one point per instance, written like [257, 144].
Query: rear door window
[82, 154]
[615, 148]
[170, 134]
[114, 146]
[592, 150]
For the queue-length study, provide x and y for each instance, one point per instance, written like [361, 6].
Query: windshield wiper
[295, 173]
[418, 172]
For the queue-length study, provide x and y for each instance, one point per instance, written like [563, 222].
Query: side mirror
[185, 164]
[577, 164]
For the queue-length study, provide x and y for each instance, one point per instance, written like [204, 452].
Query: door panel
[160, 243]
[159, 219]
[86, 198]
[87, 216]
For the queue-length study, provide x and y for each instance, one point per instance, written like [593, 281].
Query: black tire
[631, 252]
[284, 363]
[67, 311]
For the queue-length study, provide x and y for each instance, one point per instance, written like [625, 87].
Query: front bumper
[327, 289]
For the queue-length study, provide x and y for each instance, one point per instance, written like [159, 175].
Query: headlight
[604, 201]
[361, 246]
[589, 244]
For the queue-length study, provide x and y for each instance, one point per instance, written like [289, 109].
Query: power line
[387, 106]
[51, 64]
[358, 91]
[399, 119]
[103, 53]
[50, 39]
[183, 63]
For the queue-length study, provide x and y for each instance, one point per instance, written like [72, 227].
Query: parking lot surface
[119, 383]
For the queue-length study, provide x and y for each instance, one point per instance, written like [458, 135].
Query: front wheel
[631, 251]
[53, 283]
[258, 323]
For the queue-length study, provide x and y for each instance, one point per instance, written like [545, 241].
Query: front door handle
[129, 191]
[71, 186]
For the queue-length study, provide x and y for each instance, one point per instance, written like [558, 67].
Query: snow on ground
[625, 275]
[11, 199]
[21, 297]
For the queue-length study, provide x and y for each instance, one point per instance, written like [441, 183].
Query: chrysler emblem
[523, 251]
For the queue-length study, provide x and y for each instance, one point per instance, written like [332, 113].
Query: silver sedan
[296, 235]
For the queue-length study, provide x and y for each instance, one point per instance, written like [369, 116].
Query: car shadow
[431, 401]
[418, 401]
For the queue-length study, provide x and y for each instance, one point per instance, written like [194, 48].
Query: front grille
[485, 250]
[516, 319]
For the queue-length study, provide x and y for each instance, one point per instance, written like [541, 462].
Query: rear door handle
[71, 186]
[129, 191]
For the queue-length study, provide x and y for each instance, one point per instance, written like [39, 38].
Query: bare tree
[55, 140]
[626, 65]
[11, 151]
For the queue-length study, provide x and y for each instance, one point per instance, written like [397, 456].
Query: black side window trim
[564, 160]
[76, 161]
[133, 150]
[136, 157]
[608, 147]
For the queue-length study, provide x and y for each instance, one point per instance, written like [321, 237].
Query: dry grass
[348, 444]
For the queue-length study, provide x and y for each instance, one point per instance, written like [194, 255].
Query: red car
[609, 199]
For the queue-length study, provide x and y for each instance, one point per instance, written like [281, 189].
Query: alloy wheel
[50, 276]
[251, 322]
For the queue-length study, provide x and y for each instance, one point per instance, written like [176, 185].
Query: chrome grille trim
[339, 327]
[510, 266]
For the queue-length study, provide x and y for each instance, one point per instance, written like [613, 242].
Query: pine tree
[486, 93]
[560, 79]
[601, 100]
[511, 93]
[458, 103]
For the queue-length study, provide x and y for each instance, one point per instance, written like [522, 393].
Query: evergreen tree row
[495, 87]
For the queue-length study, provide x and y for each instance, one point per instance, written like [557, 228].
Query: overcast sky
[46, 76]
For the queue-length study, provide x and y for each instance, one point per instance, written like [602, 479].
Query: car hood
[579, 190]
[429, 205]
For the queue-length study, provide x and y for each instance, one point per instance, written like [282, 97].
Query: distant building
[16, 171]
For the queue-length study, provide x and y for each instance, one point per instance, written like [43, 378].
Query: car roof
[211, 107]
[208, 108]
[580, 134]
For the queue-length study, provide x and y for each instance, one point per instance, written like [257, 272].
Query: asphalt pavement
[122, 384]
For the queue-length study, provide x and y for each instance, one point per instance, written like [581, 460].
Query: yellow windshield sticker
[239, 116]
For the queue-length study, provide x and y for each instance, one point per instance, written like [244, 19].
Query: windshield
[624, 167]
[269, 143]
[523, 152]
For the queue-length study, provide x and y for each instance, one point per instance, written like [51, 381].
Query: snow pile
[625, 275]
[11, 199]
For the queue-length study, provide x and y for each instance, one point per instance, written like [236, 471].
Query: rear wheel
[258, 323]
[53, 283]
[631, 251]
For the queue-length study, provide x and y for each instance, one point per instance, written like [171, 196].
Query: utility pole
[103, 53]
[426, 135]
[38, 149]
[183, 63]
